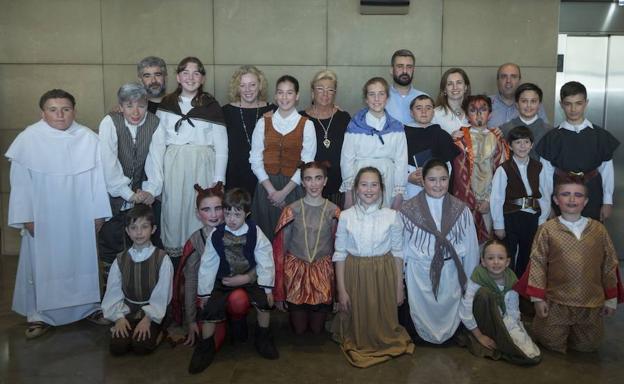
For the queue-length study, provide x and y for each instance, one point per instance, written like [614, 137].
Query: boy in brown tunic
[572, 275]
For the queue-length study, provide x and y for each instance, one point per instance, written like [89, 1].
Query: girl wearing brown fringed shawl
[441, 251]
[189, 147]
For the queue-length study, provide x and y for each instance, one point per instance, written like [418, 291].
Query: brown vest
[515, 187]
[138, 280]
[282, 153]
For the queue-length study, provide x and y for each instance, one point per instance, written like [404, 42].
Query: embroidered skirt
[308, 283]
[184, 166]
[370, 333]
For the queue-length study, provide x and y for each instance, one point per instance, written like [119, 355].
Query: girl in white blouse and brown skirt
[369, 266]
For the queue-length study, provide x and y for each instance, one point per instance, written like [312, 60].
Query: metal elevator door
[598, 63]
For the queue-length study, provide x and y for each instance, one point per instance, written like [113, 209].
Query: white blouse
[393, 151]
[448, 121]
[113, 305]
[203, 133]
[368, 232]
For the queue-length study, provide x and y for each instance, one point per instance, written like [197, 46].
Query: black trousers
[121, 345]
[520, 228]
[214, 310]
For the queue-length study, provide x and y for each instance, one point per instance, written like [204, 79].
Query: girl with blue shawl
[376, 139]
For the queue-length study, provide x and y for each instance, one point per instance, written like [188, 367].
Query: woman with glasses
[330, 124]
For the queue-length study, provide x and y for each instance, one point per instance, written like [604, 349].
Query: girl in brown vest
[279, 143]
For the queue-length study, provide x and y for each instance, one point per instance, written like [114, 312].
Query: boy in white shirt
[235, 247]
[138, 288]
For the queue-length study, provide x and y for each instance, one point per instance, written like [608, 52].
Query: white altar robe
[57, 182]
[437, 320]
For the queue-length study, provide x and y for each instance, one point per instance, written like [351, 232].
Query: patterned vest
[132, 155]
[282, 153]
[233, 249]
[515, 187]
[138, 280]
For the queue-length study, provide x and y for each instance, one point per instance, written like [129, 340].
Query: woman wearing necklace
[248, 94]
[330, 124]
[449, 112]
[302, 248]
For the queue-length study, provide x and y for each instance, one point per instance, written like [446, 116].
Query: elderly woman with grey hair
[125, 139]
[330, 123]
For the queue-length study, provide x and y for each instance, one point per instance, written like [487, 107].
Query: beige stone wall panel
[35, 31]
[21, 86]
[370, 40]
[172, 30]
[492, 32]
[269, 32]
[10, 236]
[6, 138]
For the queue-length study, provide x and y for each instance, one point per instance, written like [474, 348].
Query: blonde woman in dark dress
[248, 102]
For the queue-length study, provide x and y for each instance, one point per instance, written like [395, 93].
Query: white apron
[184, 166]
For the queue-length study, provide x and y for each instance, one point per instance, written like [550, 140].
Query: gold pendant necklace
[305, 231]
[326, 141]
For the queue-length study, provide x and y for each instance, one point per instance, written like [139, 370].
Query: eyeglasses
[329, 91]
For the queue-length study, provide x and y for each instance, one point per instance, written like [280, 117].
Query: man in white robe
[58, 200]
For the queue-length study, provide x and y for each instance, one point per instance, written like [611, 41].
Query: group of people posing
[415, 220]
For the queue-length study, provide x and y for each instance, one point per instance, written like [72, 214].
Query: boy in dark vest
[579, 148]
[138, 289]
[516, 199]
[125, 138]
[234, 249]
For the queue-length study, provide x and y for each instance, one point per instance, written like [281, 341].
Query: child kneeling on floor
[572, 275]
[490, 311]
[138, 288]
[234, 249]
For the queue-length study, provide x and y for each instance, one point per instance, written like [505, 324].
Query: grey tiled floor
[78, 353]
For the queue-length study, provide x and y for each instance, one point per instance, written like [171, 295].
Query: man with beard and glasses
[401, 92]
[152, 71]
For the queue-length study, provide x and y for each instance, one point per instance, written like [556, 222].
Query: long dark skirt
[263, 212]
